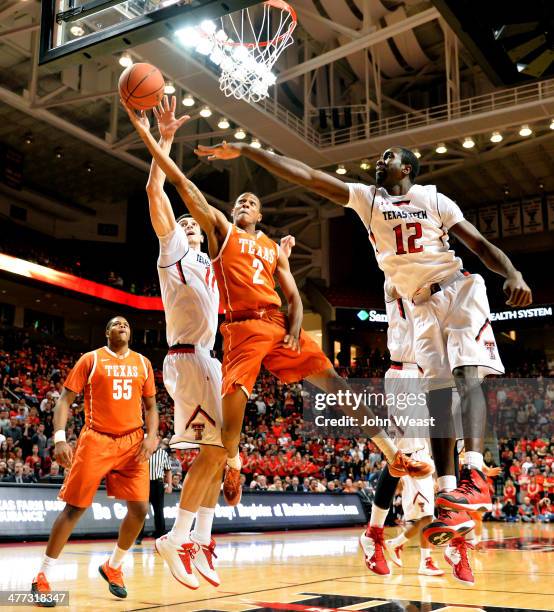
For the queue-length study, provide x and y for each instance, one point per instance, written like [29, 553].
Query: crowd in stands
[277, 452]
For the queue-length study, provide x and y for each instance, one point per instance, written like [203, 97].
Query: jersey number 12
[412, 246]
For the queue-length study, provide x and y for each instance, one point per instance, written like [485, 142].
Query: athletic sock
[474, 460]
[446, 483]
[378, 516]
[47, 565]
[234, 462]
[400, 540]
[425, 553]
[385, 445]
[181, 528]
[203, 527]
[117, 557]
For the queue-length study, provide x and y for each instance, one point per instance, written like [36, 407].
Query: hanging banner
[488, 221]
[511, 219]
[550, 209]
[471, 216]
[532, 217]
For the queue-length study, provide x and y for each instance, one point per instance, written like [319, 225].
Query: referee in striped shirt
[160, 481]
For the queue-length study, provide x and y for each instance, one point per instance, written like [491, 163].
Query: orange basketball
[141, 86]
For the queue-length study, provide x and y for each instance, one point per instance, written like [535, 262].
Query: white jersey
[409, 233]
[400, 332]
[189, 292]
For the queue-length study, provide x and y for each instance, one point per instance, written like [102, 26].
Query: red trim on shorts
[199, 410]
[401, 308]
[483, 327]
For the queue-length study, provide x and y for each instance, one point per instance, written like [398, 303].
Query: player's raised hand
[168, 124]
[147, 449]
[224, 150]
[139, 121]
[63, 453]
[517, 291]
[286, 244]
[292, 343]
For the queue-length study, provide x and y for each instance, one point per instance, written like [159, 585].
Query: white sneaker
[202, 557]
[428, 568]
[178, 558]
[395, 552]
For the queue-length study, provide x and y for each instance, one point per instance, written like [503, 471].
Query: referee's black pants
[157, 500]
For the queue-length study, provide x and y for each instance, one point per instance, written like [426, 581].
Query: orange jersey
[113, 389]
[244, 269]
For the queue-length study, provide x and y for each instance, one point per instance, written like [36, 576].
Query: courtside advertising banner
[29, 511]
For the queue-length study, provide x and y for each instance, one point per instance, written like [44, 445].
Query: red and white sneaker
[202, 557]
[448, 524]
[372, 543]
[41, 590]
[179, 560]
[455, 555]
[406, 466]
[395, 552]
[428, 568]
[473, 493]
[232, 491]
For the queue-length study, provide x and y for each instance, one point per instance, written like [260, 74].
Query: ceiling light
[205, 112]
[552, 124]
[521, 66]
[58, 152]
[89, 167]
[169, 88]
[525, 130]
[270, 150]
[497, 137]
[188, 100]
[28, 138]
[255, 143]
[77, 30]
[468, 143]
[223, 123]
[341, 169]
[441, 148]
[240, 134]
[365, 165]
[417, 153]
[125, 60]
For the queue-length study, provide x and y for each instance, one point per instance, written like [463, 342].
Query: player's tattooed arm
[286, 168]
[516, 289]
[295, 308]
[63, 453]
[151, 422]
[210, 219]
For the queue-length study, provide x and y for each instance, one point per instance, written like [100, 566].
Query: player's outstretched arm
[288, 169]
[161, 211]
[515, 288]
[62, 451]
[295, 310]
[209, 218]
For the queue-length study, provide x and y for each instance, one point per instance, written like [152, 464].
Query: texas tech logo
[198, 430]
[491, 348]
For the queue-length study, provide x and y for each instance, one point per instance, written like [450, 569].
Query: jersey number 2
[412, 247]
[122, 389]
[259, 266]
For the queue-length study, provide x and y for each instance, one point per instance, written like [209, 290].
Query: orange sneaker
[41, 586]
[232, 491]
[405, 466]
[114, 578]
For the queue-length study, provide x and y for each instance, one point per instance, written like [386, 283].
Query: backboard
[78, 31]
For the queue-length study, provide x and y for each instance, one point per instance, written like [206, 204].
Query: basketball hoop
[246, 47]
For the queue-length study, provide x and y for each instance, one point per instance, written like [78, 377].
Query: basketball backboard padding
[121, 36]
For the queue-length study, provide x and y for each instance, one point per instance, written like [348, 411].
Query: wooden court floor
[309, 571]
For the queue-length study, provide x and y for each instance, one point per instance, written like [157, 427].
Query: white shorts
[399, 383]
[452, 328]
[193, 380]
[418, 494]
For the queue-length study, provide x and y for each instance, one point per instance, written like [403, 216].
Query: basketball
[141, 86]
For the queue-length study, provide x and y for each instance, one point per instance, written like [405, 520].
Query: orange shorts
[249, 344]
[100, 455]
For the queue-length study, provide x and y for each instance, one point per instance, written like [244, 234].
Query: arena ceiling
[376, 72]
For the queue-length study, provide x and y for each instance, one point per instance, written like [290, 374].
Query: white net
[245, 47]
